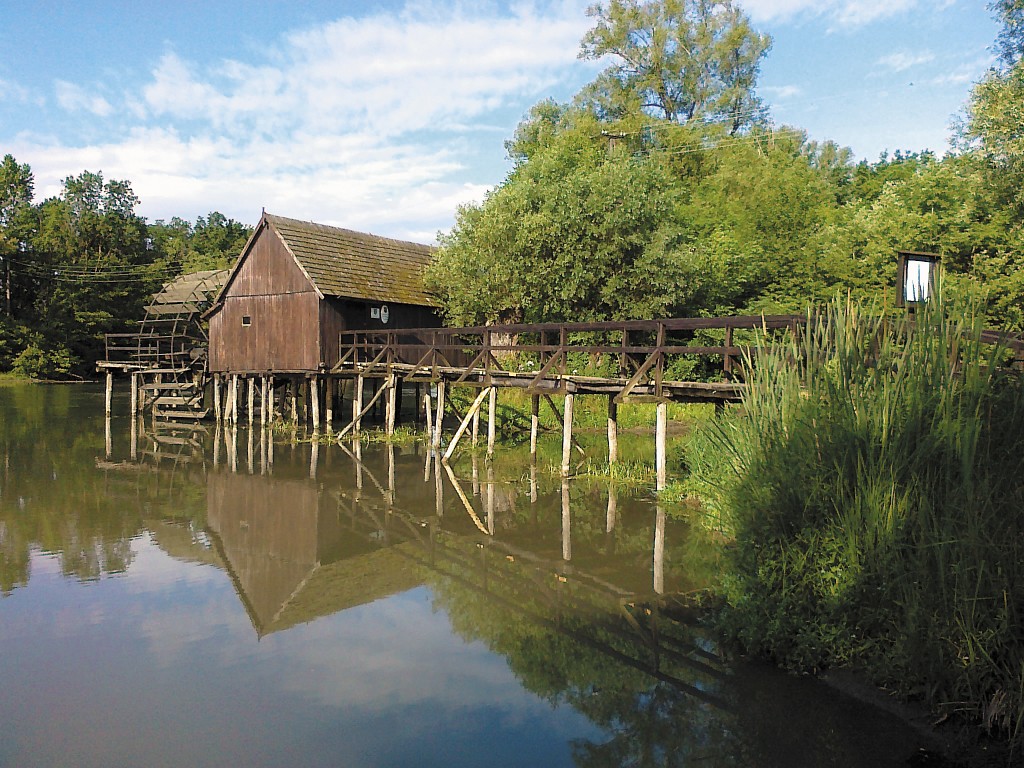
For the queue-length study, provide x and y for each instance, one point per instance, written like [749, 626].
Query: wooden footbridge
[631, 361]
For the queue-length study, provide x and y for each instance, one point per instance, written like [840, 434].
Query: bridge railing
[632, 351]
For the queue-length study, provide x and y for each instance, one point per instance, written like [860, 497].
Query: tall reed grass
[873, 482]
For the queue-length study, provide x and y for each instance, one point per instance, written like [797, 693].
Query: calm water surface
[237, 599]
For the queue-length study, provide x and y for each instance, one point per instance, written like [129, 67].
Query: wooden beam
[473, 410]
[356, 419]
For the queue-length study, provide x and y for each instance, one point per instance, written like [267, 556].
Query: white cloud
[782, 91]
[73, 98]
[901, 61]
[362, 122]
[845, 13]
[13, 92]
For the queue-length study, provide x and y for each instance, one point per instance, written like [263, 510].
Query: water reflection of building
[289, 555]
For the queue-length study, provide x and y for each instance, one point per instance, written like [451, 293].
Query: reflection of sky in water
[161, 666]
[918, 280]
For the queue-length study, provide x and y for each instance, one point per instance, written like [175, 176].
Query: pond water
[242, 599]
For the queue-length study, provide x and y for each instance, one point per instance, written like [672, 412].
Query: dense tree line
[664, 190]
[82, 264]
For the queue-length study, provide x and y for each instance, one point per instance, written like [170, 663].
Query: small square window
[246, 320]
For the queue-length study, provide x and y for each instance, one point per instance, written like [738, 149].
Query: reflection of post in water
[390, 500]
[109, 438]
[566, 523]
[476, 476]
[533, 479]
[314, 458]
[357, 444]
[462, 497]
[438, 487]
[216, 445]
[134, 447]
[490, 498]
[263, 451]
[270, 451]
[659, 550]
[249, 450]
[233, 452]
[613, 503]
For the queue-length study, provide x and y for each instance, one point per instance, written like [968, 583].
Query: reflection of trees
[53, 498]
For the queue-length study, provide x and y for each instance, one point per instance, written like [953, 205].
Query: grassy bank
[874, 492]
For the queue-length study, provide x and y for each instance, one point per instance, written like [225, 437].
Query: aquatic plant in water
[872, 482]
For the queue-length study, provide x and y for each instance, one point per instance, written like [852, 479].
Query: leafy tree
[16, 189]
[682, 60]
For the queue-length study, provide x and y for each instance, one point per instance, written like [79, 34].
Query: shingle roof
[357, 265]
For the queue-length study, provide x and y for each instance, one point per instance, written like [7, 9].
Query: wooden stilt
[314, 396]
[491, 416]
[389, 410]
[429, 411]
[613, 431]
[473, 411]
[329, 398]
[567, 434]
[357, 405]
[251, 415]
[293, 392]
[534, 423]
[439, 421]
[234, 399]
[660, 445]
[135, 394]
[109, 392]
[476, 427]
[264, 405]
[416, 404]
[218, 414]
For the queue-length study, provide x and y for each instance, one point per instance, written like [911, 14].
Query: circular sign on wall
[384, 313]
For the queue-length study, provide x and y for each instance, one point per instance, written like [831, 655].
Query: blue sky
[384, 117]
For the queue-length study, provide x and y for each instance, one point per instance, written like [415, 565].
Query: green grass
[874, 495]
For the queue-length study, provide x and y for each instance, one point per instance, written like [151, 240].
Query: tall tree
[16, 189]
[682, 60]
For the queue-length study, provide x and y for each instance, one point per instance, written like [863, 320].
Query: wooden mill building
[296, 286]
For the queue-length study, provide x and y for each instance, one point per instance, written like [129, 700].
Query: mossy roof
[356, 265]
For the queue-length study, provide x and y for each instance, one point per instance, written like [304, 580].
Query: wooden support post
[135, 394]
[390, 406]
[272, 412]
[439, 420]
[217, 404]
[416, 404]
[476, 427]
[567, 434]
[109, 392]
[534, 423]
[613, 431]
[264, 405]
[492, 412]
[293, 393]
[660, 442]
[329, 394]
[252, 401]
[314, 396]
[473, 411]
[234, 399]
[429, 411]
[357, 405]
